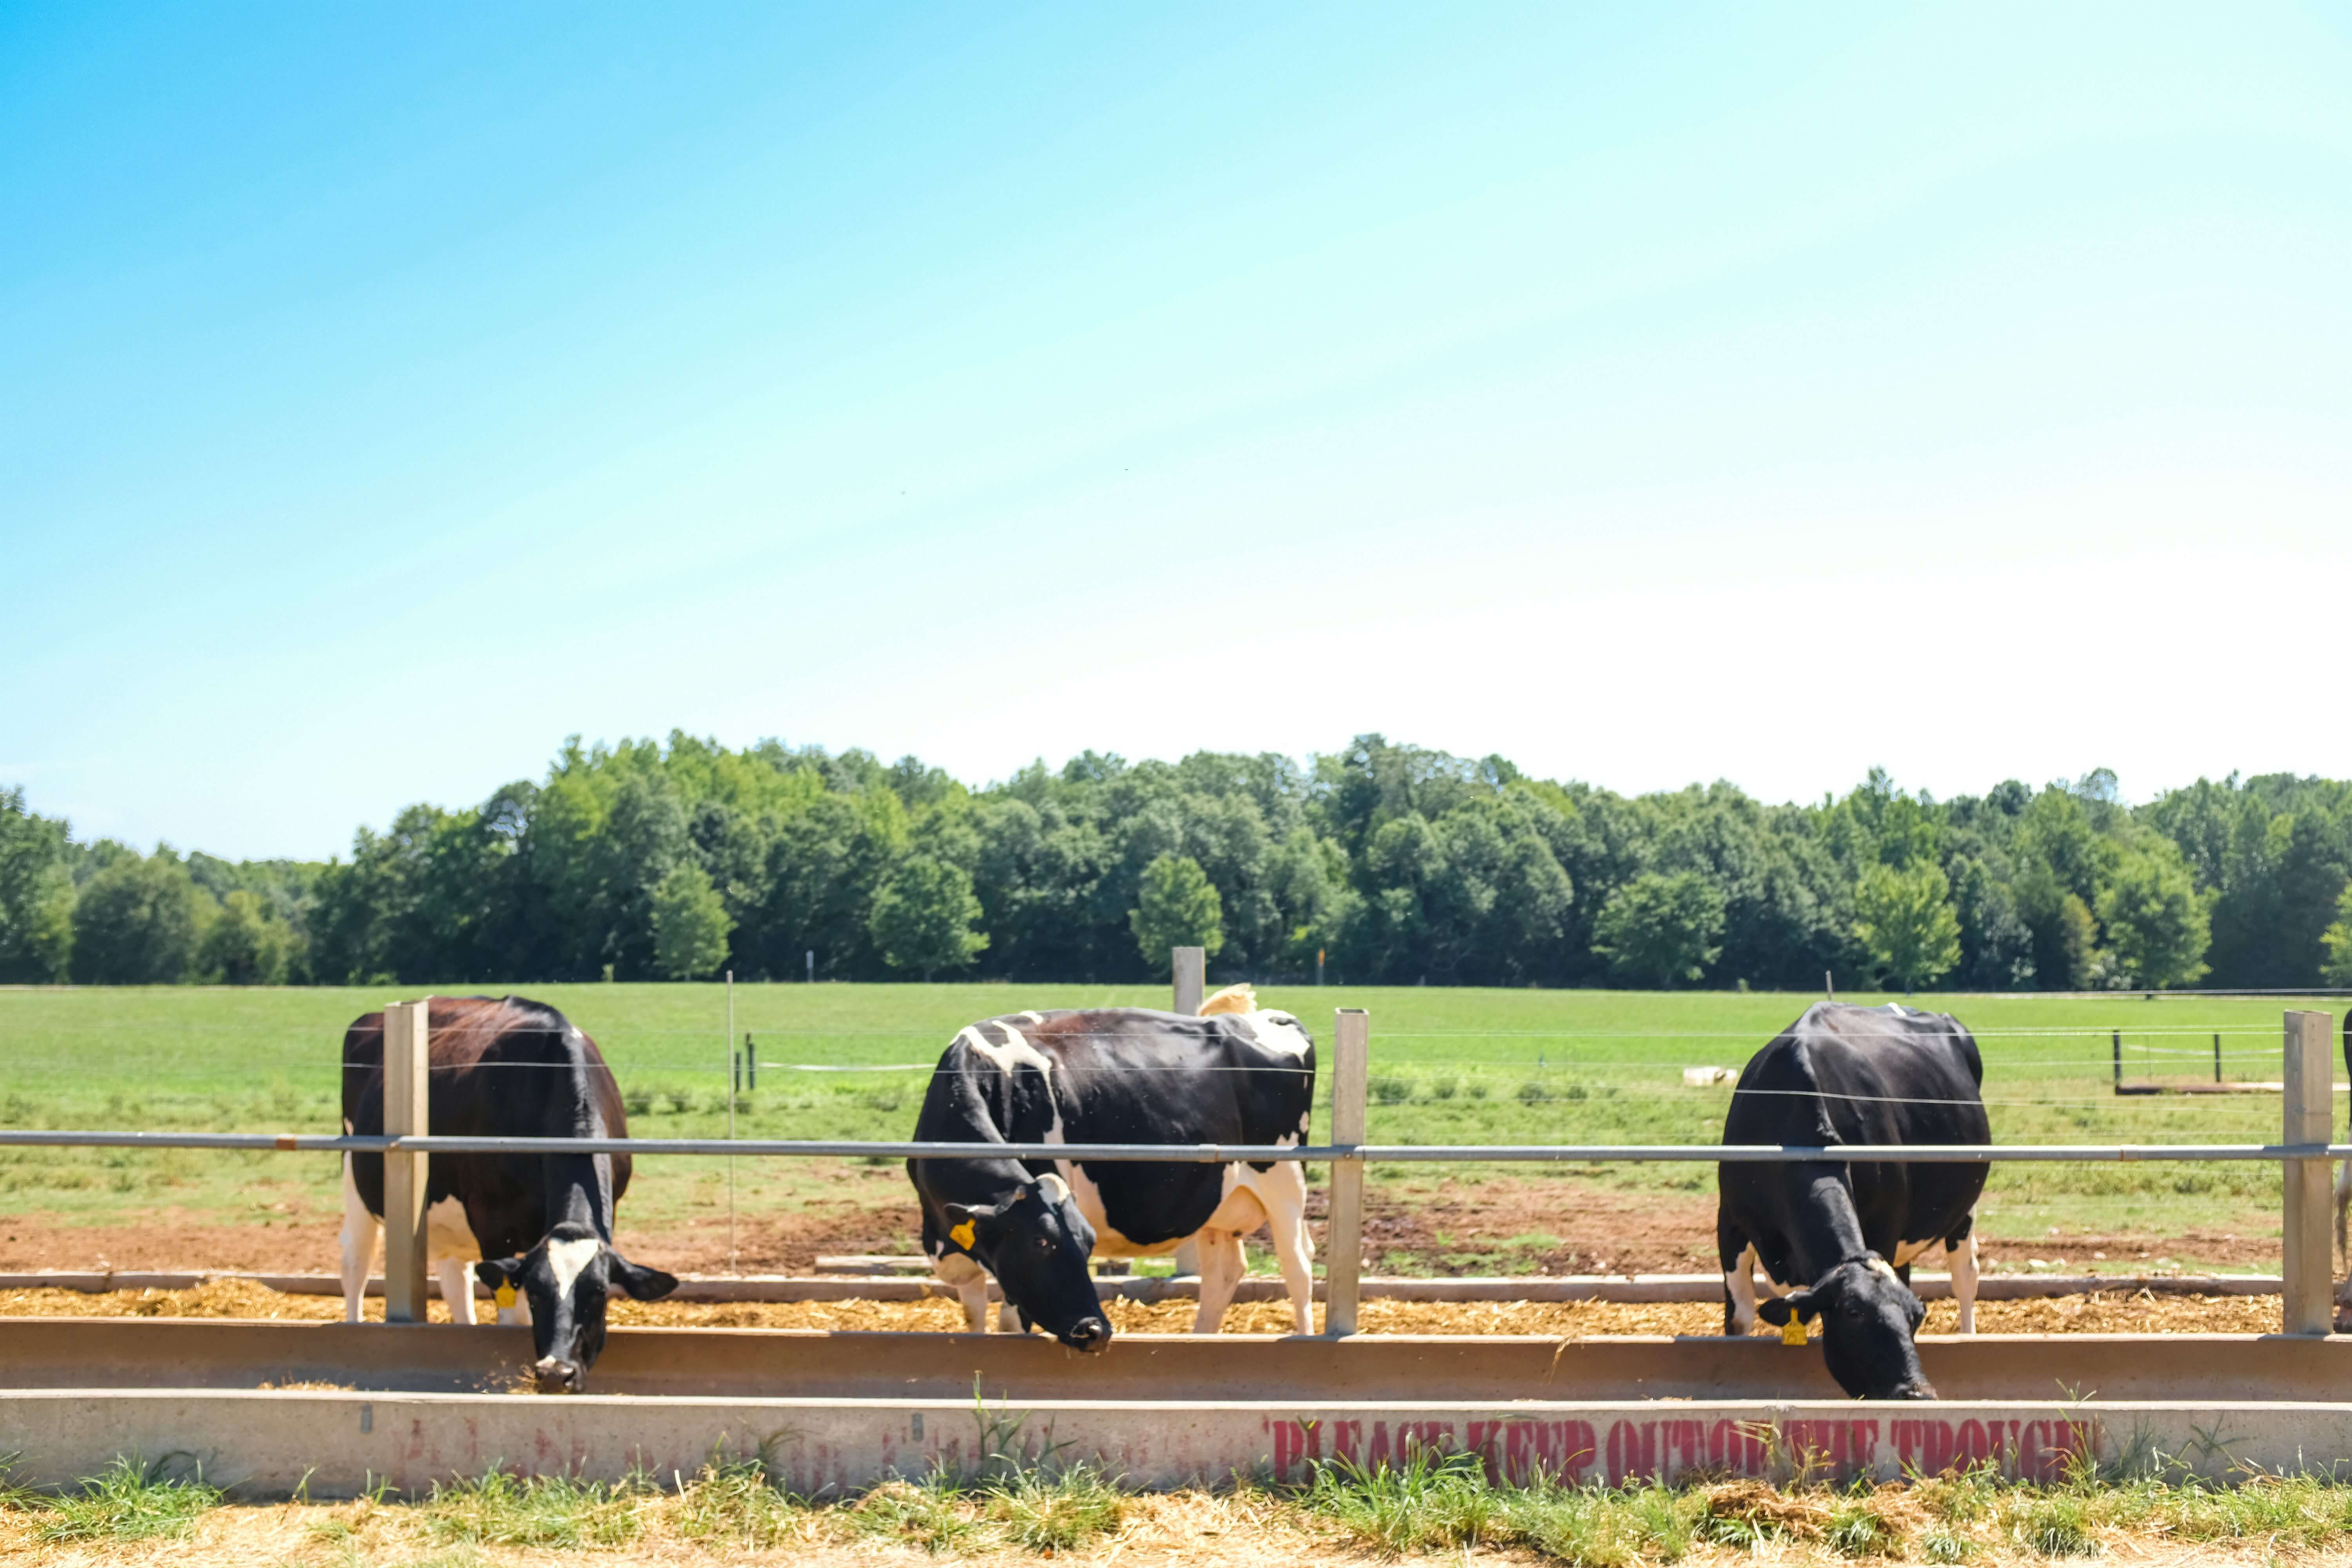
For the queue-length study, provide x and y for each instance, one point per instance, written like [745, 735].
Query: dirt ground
[1180, 1527]
[1458, 1228]
[177, 1242]
[2106, 1313]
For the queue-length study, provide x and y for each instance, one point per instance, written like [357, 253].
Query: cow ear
[497, 1272]
[1777, 1310]
[640, 1283]
[968, 1223]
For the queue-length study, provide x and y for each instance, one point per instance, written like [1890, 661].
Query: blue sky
[1649, 395]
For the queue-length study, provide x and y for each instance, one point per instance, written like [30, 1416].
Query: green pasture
[1449, 1066]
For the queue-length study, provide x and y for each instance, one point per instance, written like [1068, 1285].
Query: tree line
[1393, 864]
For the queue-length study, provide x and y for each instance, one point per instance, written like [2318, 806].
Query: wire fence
[2059, 1055]
[1197, 1154]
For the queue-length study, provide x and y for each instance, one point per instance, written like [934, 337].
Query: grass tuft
[1041, 1510]
[129, 1501]
[1431, 1503]
[2056, 1525]
[503, 1509]
[934, 1514]
[736, 1504]
[15, 1496]
[1857, 1528]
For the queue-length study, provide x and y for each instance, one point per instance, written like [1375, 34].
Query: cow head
[567, 1278]
[1036, 1244]
[1868, 1317]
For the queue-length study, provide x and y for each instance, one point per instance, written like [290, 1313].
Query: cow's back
[1843, 1075]
[1863, 1074]
[500, 1066]
[1130, 1076]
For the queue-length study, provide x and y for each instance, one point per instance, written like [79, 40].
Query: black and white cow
[1839, 1239]
[1113, 1076]
[541, 1225]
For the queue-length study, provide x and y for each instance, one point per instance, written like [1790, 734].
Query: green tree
[1176, 906]
[924, 918]
[1661, 929]
[37, 894]
[138, 922]
[1904, 920]
[244, 946]
[2336, 943]
[691, 922]
[2156, 921]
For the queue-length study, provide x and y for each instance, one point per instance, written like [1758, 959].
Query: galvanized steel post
[407, 1060]
[1343, 1239]
[2309, 1264]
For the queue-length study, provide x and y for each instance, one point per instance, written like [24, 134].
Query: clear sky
[1647, 393]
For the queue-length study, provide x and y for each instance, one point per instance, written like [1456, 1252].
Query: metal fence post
[1192, 966]
[2308, 1265]
[407, 1050]
[1344, 1237]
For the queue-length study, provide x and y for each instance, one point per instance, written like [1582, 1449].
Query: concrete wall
[268, 1444]
[132, 1352]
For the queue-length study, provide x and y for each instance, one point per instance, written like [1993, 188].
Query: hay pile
[2102, 1314]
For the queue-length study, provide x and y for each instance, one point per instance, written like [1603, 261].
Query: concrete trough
[1621, 1288]
[267, 1445]
[705, 1363]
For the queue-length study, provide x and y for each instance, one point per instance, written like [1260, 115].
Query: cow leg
[1187, 1258]
[1008, 1318]
[1221, 1272]
[456, 1289]
[2342, 1201]
[970, 1282]
[362, 1231]
[1283, 1192]
[1962, 1261]
[1739, 1293]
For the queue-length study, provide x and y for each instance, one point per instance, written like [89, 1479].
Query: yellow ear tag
[505, 1296]
[1792, 1332]
[963, 1235]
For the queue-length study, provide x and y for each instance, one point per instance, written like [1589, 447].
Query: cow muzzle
[555, 1376]
[1922, 1389]
[1091, 1335]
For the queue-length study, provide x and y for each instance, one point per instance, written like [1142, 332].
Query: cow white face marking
[569, 1258]
[1880, 1265]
